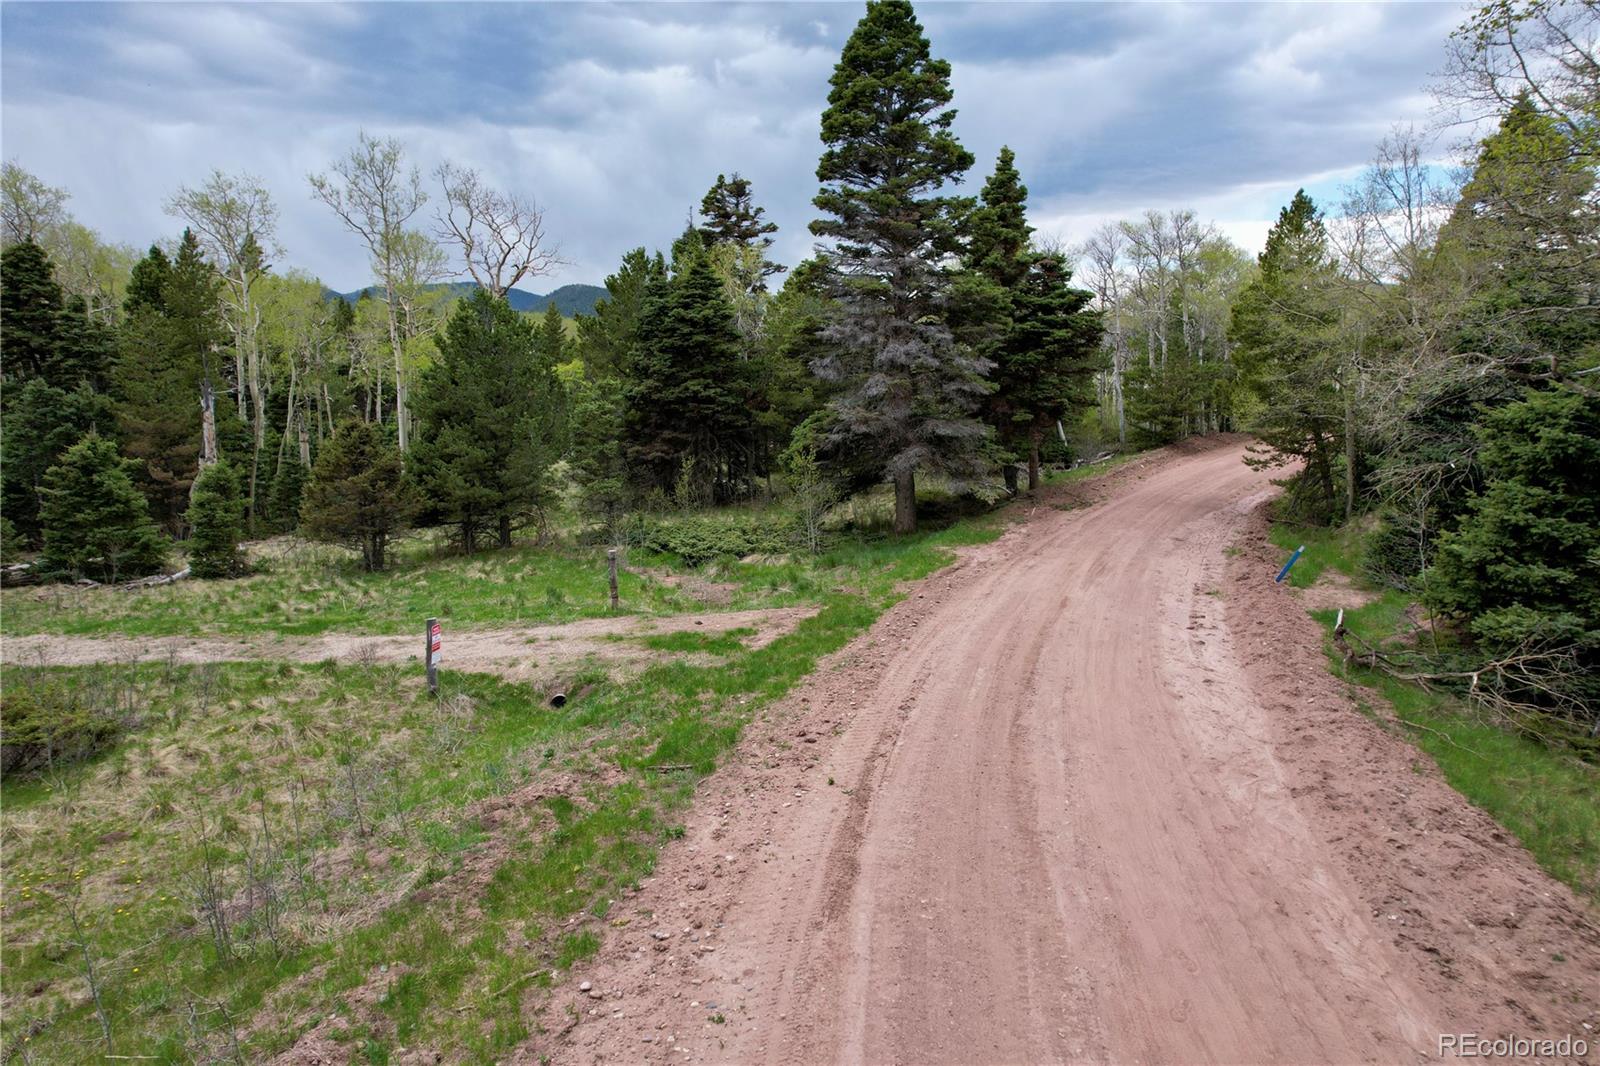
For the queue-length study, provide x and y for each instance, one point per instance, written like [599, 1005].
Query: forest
[1418, 356]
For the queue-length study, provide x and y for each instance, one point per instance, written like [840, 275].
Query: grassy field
[272, 849]
[1548, 799]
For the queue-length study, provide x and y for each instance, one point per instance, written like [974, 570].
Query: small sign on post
[432, 654]
[611, 570]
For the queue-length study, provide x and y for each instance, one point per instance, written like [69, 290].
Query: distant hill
[569, 299]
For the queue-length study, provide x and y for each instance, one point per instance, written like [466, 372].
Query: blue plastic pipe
[1285, 571]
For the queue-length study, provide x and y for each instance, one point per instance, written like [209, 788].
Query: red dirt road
[1073, 801]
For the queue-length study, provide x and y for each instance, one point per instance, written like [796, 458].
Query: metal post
[431, 654]
[611, 569]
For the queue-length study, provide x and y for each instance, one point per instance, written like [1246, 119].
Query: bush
[44, 725]
[216, 516]
[699, 538]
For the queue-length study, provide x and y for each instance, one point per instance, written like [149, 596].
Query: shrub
[44, 725]
[699, 538]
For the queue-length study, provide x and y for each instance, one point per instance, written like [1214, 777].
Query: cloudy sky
[617, 117]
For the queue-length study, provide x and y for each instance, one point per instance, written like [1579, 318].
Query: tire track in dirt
[1047, 810]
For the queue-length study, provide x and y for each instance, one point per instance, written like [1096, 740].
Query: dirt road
[1060, 806]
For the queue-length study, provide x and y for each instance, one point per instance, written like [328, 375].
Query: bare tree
[375, 194]
[235, 220]
[501, 235]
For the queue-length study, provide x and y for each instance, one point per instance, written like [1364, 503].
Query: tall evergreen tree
[998, 234]
[96, 523]
[1282, 329]
[358, 495]
[147, 283]
[491, 419]
[41, 423]
[30, 309]
[731, 216]
[686, 397]
[168, 354]
[552, 337]
[606, 339]
[1046, 364]
[911, 390]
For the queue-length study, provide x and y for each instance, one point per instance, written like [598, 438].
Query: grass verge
[1549, 800]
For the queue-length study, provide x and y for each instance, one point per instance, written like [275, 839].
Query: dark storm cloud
[617, 117]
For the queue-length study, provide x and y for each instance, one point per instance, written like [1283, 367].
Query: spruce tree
[552, 338]
[30, 308]
[96, 523]
[147, 284]
[606, 339]
[358, 495]
[1284, 346]
[732, 217]
[1046, 364]
[283, 499]
[491, 419]
[686, 397]
[41, 423]
[167, 349]
[216, 519]
[910, 389]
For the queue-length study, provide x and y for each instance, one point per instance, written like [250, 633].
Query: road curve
[1047, 824]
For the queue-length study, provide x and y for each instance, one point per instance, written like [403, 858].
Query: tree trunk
[505, 531]
[1033, 461]
[1351, 456]
[208, 424]
[905, 502]
[469, 538]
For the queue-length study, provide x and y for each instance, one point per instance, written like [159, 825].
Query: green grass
[1548, 799]
[1083, 473]
[311, 590]
[435, 882]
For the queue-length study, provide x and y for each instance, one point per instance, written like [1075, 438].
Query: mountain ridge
[570, 300]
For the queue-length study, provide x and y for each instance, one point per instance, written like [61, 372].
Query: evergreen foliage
[491, 419]
[41, 423]
[909, 390]
[687, 405]
[96, 523]
[358, 495]
[1283, 328]
[216, 521]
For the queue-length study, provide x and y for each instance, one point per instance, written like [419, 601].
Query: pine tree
[30, 307]
[358, 495]
[607, 338]
[732, 217]
[1046, 364]
[599, 463]
[552, 338]
[686, 397]
[1284, 347]
[167, 352]
[41, 423]
[96, 523]
[998, 233]
[147, 283]
[911, 390]
[216, 518]
[491, 418]
[283, 498]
